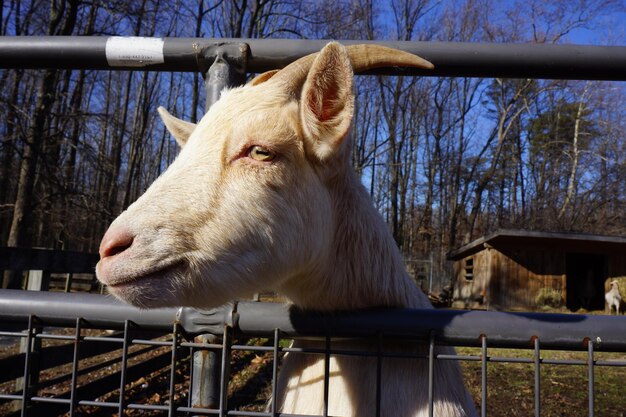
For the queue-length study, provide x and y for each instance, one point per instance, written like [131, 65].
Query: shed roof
[580, 242]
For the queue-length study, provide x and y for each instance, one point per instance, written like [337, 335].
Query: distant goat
[263, 196]
[613, 298]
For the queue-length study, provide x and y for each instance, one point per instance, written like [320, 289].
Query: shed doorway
[585, 276]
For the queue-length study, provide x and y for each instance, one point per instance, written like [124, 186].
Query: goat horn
[261, 78]
[363, 57]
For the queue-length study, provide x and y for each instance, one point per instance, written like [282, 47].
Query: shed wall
[616, 267]
[519, 275]
[509, 278]
[511, 271]
[473, 293]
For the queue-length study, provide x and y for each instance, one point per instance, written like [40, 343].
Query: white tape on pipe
[133, 51]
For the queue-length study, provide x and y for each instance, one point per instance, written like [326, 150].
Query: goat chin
[161, 288]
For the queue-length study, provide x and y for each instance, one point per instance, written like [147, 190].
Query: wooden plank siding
[512, 268]
[519, 275]
[616, 267]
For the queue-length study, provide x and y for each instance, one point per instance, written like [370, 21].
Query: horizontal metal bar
[564, 362]
[458, 59]
[89, 403]
[197, 410]
[97, 310]
[464, 358]
[53, 336]
[148, 407]
[50, 400]
[99, 339]
[453, 327]
[238, 413]
[611, 363]
[204, 346]
[10, 397]
[13, 334]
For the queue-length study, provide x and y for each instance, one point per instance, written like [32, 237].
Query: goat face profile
[262, 196]
[246, 204]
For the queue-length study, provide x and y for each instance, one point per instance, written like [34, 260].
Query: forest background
[445, 160]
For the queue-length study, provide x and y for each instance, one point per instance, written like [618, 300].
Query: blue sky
[611, 30]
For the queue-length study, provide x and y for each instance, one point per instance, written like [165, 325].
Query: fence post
[223, 65]
[68, 282]
[37, 280]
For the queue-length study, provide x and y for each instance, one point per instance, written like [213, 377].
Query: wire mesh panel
[134, 369]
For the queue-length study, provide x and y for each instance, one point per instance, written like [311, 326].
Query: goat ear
[327, 101]
[180, 129]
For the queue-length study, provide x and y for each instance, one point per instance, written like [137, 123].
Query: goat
[263, 196]
[613, 298]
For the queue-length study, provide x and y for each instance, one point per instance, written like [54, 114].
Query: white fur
[219, 225]
[613, 298]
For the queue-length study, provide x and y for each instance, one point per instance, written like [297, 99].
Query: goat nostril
[115, 242]
[118, 249]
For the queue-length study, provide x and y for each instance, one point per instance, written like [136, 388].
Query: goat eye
[259, 153]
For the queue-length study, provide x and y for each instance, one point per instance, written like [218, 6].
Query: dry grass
[563, 387]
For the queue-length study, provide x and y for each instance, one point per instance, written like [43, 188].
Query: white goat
[262, 196]
[613, 298]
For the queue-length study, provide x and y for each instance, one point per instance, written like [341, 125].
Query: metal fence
[41, 314]
[451, 59]
[154, 340]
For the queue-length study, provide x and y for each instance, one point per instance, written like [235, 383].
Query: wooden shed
[519, 270]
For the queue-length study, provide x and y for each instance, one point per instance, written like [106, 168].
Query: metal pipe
[62, 309]
[223, 66]
[455, 59]
[453, 327]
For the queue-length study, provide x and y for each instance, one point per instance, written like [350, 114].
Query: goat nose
[115, 240]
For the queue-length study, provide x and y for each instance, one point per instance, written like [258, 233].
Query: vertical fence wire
[326, 374]
[225, 368]
[27, 359]
[172, 405]
[191, 382]
[275, 372]
[590, 362]
[379, 372]
[431, 375]
[537, 362]
[77, 338]
[483, 376]
[126, 340]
